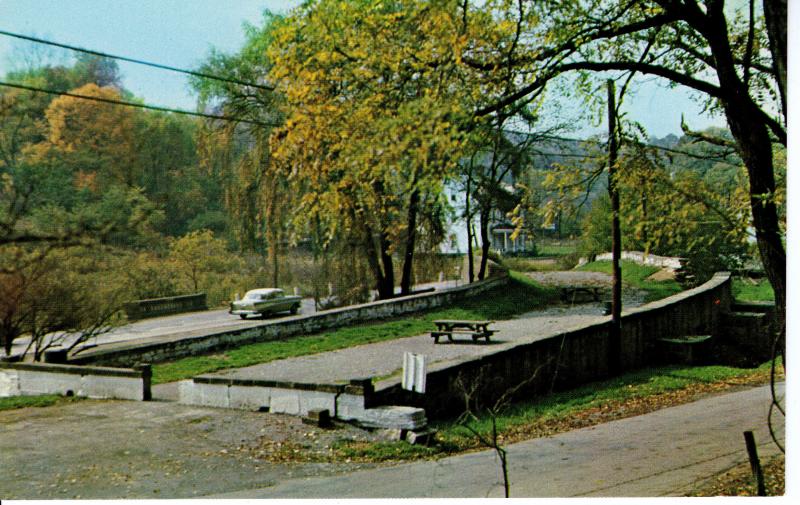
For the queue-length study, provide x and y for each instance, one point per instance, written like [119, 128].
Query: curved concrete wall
[570, 358]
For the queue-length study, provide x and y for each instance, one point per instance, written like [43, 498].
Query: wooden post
[615, 335]
[755, 464]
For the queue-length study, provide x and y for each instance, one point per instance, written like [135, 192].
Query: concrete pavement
[664, 453]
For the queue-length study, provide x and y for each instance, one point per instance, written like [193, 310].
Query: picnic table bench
[568, 292]
[449, 327]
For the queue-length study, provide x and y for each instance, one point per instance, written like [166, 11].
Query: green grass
[19, 402]
[501, 303]
[559, 408]
[747, 290]
[636, 275]
[632, 385]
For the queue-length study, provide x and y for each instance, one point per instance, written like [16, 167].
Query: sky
[180, 33]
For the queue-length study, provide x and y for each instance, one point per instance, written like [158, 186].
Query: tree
[53, 302]
[376, 97]
[93, 140]
[197, 253]
[256, 192]
[735, 60]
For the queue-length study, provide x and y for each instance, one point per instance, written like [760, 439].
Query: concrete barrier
[567, 359]
[158, 349]
[154, 307]
[25, 379]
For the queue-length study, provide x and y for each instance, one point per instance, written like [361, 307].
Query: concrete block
[249, 397]
[420, 437]
[35, 383]
[9, 383]
[98, 386]
[285, 402]
[392, 416]
[213, 395]
[188, 394]
[318, 417]
[316, 400]
[391, 434]
[348, 407]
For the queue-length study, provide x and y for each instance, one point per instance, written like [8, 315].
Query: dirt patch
[115, 449]
[665, 274]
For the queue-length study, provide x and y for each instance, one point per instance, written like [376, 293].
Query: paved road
[194, 322]
[664, 453]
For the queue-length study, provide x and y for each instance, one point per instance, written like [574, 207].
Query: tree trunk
[411, 235]
[386, 287]
[470, 234]
[755, 149]
[374, 260]
[775, 15]
[484, 222]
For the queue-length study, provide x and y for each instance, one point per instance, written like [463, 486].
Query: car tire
[294, 309]
[243, 316]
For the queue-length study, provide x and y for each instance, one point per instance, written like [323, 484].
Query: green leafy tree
[198, 253]
[734, 59]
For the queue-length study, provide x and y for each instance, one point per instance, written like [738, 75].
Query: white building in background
[500, 230]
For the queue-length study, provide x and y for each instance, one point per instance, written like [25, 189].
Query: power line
[134, 104]
[717, 158]
[133, 60]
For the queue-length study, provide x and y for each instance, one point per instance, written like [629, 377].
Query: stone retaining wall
[154, 307]
[169, 348]
[23, 379]
[567, 359]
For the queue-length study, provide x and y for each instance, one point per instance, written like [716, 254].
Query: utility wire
[133, 60]
[134, 104]
[601, 143]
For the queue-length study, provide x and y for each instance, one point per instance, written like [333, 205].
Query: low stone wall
[645, 259]
[168, 348]
[567, 359]
[154, 307]
[23, 379]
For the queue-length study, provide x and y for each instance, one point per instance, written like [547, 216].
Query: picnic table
[449, 327]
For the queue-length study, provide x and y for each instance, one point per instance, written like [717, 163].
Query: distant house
[544, 155]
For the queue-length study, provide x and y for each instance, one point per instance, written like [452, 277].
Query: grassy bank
[751, 290]
[631, 394]
[636, 275]
[502, 303]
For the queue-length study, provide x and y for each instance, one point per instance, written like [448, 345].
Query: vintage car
[265, 301]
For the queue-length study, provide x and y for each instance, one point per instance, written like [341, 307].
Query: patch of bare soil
[116, 449]
[665, 274]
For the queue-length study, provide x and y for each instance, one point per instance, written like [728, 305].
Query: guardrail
[154, 307]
